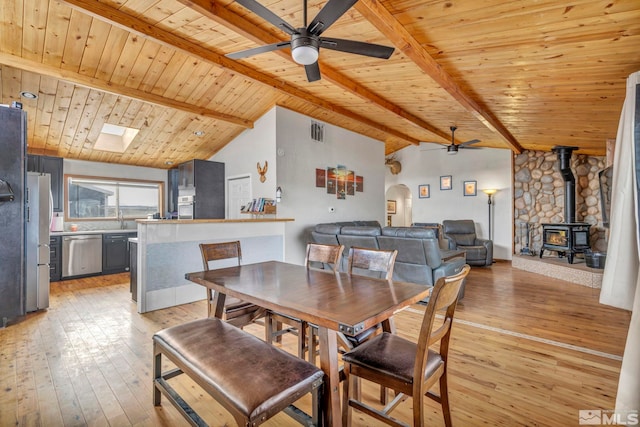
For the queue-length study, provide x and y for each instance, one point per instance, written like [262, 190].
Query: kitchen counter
[81, 232]
[209, 221]
[167, 249]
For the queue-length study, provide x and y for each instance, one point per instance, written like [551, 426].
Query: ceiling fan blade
[329, 14]
[466, 143]
[267, 15]
[313, 72]
[256, 50]
[359, 48]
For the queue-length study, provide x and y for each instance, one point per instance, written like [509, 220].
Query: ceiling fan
[306, 42]
[453, 147]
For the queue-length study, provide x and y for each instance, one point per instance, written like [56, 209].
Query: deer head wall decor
[263, 170]
[393, 164]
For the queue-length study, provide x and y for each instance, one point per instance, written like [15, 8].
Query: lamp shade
[305, 55]
[490, 191]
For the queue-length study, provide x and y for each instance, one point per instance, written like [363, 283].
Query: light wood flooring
[527, 351]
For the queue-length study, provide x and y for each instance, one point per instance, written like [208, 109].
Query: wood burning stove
[569, 237]
[566, 239]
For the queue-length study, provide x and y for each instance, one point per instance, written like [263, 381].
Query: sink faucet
[121, 219]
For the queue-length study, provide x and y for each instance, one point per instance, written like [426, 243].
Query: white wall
[282, 137]
[250, 147]
[491, 168]
[112, 170]
[298, 158]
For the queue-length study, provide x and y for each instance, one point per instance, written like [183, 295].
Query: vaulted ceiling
[515, 74]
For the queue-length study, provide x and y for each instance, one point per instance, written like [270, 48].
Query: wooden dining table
[335, 302]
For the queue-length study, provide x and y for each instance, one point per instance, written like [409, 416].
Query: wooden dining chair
[317, 256]
[362, 261]
[409, 368]
[236, 312]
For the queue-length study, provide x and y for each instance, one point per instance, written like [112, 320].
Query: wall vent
[317, 131]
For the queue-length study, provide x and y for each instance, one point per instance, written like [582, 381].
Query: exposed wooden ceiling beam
[382, 19]
[134, 25]
[93, 83]
[223, 16]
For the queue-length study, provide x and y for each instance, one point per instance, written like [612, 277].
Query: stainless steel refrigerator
[38, 214]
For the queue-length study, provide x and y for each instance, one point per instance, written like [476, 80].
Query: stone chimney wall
[539, 196]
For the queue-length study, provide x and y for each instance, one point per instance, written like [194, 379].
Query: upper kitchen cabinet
[54, 167]
[173, 176]
[204, 180]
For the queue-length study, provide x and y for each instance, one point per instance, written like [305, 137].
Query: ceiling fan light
[305, 55]
[452, 149]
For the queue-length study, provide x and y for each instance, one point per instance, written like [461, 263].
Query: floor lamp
[490, 193]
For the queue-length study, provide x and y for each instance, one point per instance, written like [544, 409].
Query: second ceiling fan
[306, 42]
[453, 147]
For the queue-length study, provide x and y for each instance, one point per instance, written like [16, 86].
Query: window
[103, 198]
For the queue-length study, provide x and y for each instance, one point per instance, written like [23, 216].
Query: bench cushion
[237, 368]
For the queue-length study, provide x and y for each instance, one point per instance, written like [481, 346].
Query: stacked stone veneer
[539, 196]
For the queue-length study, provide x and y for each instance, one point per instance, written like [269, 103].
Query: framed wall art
[321, 177]
[445, 182]
[391, 206]
[424, 191]
[470, 188]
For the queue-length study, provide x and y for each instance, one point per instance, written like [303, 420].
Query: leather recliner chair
[461, 235]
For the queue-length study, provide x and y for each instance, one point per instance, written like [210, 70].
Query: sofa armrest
[488, 244]
[448, 268]
[450, 242]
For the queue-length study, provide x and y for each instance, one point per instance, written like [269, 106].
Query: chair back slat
[219, 251]
[324, 254]
[444, 297]
[372, 260]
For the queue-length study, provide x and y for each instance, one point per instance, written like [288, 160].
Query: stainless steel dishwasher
[81, 255]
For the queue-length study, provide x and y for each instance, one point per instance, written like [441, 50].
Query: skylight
[115, 138]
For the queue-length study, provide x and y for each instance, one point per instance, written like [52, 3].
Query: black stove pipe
[564, 155]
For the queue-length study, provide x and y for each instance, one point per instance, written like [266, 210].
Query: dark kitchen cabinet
[54, 167]
[115, 252]
[172, 189]
[133, 262]
[204, 180]
[55, 258]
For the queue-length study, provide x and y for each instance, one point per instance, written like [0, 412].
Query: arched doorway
[401, 195]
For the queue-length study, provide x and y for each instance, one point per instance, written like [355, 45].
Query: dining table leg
[218, 305]
[329, 364]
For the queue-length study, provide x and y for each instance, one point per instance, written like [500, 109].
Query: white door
[239, 191]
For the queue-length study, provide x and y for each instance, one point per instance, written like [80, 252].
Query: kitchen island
[168, 249]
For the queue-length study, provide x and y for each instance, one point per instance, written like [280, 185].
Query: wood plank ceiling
[514, 74]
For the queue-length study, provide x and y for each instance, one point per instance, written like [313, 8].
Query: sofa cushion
[367, 224]
[475, 252]
[465, 239]
[409, 232]
[327, 228]
[409, 250]
[360, 231]
[359, 241]
[324, 239]
[413, 273]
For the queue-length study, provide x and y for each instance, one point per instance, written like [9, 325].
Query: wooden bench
[250, 378]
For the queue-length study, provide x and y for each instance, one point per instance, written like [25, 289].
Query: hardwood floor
[527, 350]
